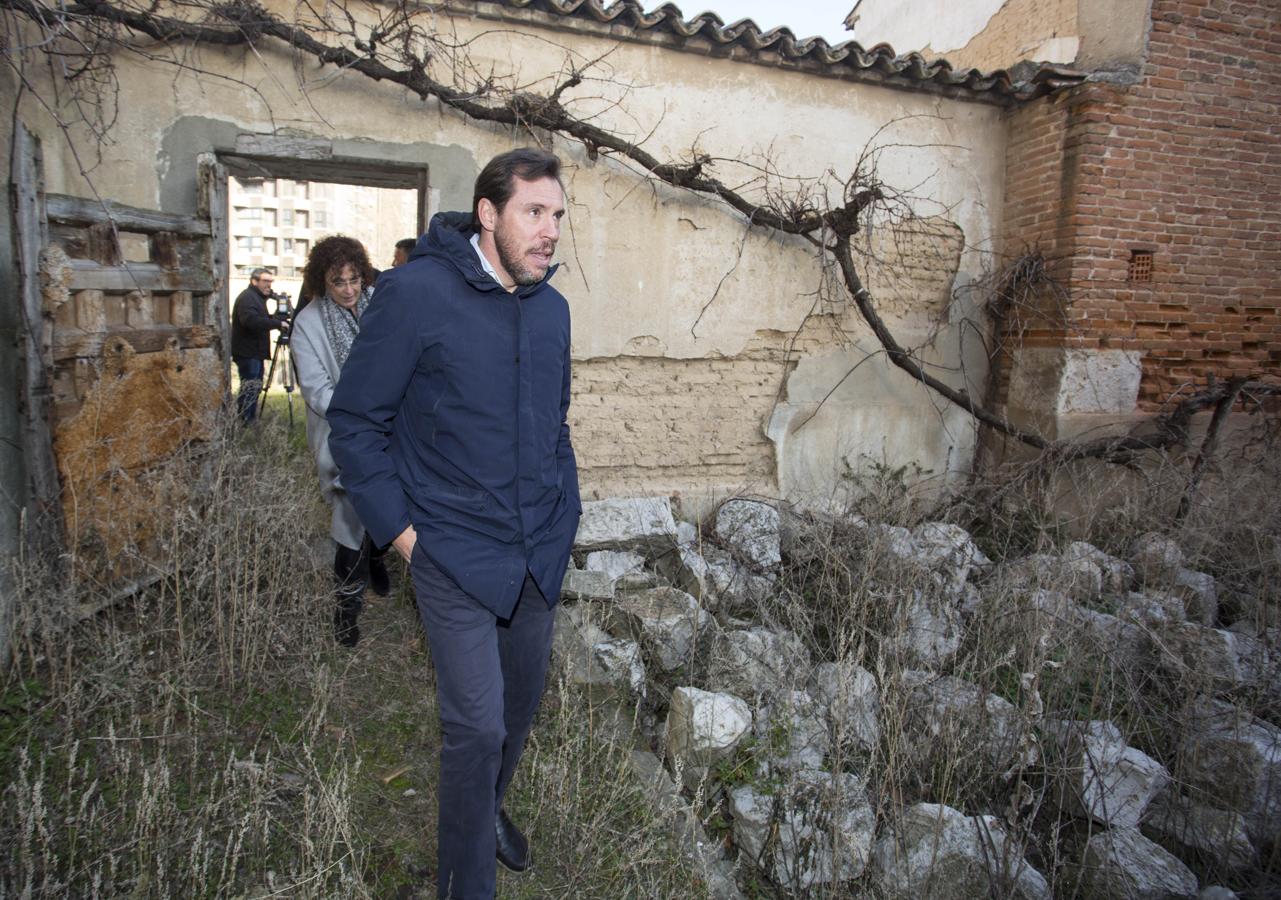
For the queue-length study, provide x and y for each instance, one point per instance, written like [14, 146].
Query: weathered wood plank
[211, 202]
[104, 248]
[164, 250]
[80, 211]
[46, 535]
[339, 169]
[273, 145]
[89, 345]
[88, 276]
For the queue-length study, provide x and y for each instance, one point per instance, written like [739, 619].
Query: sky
[806, 18]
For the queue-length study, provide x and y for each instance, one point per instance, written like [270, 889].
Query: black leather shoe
[513, 849]
[379, 580]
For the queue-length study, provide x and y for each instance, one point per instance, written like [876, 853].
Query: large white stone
[686, 568]
[1193, 828]
[1259, 657]
[583, 585]
[1099, 381]
[733, 585]
[1157, 560]
[1236, 759]
[791, 732]
[1151, 609]
[940, 853]
[686, 534]
[895, 544]
[1101, 776]
[951, 712]
[1118, 575]
[667, 622]
[1216, 892]
[1199, 592]
[573, 639]
[614, 563]
[1079, 577]
[944, 544]
[621, 661]
[853, 703]
[1044, 614]
[1123, 644]
[626, 522]
[927, 629]
[751, 661]
[752, 529]
[704, 727]
[817, 830]
[1212, 655]
[1121, 863]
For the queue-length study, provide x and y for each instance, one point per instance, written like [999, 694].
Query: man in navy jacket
[449, 427]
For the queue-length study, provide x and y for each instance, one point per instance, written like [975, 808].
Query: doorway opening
[276, 207]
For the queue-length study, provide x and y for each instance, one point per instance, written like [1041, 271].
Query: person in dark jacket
[251, 328]
[404, 247]
[450, 431]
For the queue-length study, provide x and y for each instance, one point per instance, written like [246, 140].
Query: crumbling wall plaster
[992, 34]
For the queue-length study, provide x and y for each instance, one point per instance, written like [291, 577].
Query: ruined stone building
[712, 355]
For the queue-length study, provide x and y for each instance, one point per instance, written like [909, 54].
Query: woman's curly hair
[330, 254]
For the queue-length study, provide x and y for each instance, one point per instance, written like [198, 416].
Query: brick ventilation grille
[1140, 266]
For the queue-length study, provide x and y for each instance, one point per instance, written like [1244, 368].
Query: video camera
[284, 312]
[284, 307]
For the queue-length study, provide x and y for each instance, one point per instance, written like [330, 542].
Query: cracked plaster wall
[996, 34]
[689, 375]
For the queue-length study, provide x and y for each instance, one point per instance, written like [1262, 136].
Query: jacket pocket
[455, 495]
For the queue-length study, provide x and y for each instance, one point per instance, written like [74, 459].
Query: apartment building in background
[274, 223]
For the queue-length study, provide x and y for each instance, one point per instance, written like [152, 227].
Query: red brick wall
[1185, 164]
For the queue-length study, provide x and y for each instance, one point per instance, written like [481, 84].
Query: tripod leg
[271, 373]
[289, 385]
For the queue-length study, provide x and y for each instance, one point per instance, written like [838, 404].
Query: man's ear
[488, 213]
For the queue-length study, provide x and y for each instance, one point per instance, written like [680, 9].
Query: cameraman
[251, 327]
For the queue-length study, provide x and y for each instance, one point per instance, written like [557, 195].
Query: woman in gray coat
[339, 281]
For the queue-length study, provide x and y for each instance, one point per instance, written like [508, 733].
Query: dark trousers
[250, 374]
[489, 678]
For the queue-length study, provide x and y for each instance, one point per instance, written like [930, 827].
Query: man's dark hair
[331, 253]
[407, 244]
[497, 181]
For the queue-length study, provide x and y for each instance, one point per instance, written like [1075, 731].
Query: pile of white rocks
[659, 618]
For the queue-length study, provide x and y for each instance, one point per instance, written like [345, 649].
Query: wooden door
[133, 365]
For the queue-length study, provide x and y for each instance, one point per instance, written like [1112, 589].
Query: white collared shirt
[484, 260]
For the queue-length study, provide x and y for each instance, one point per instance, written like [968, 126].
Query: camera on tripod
[284, 312]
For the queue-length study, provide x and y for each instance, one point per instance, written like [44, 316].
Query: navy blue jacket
[451, 416]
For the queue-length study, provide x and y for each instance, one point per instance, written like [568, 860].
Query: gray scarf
[342, 325]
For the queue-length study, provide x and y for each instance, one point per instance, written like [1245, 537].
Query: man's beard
[509, 254]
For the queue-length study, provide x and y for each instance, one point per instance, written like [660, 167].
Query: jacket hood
[448, 239]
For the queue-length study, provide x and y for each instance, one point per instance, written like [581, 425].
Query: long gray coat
[318, 372]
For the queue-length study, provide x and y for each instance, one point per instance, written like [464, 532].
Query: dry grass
[207, 738]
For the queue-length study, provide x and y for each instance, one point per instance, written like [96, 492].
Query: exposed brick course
[1185, 164]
